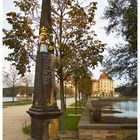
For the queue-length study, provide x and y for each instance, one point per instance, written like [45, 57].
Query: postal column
[43, 109]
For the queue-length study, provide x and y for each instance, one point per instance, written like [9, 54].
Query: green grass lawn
[79, 103]
[71, 121]
[72, 111]
[17, 103]
[27, 130]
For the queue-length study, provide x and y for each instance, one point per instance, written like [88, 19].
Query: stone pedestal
[41, 118]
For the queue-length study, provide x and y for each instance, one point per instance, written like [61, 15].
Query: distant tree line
[7, 92]
[127, 91]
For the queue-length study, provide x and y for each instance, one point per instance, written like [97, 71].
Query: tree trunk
[76, 98]
[79, 99]
[13, 94]
[13, 99]
[65, 97]
[27, 93]
[82, 97]
[54, 92]
[62, 118]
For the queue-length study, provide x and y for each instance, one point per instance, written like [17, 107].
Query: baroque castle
[104, 86]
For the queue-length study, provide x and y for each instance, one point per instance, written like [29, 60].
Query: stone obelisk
[43, 109]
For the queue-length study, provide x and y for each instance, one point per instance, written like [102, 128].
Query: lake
[9, 99]
[128, 109]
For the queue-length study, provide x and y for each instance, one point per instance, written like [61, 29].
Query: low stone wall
[121, 134]
[68, 135]
[99, 131]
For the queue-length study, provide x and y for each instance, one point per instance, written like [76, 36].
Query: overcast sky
[99, 29]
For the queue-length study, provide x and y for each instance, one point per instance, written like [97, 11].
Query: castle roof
[104, 75]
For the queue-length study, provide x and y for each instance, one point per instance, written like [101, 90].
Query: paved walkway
[14, 119]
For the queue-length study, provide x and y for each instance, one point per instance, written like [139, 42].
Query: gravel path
[14, 119]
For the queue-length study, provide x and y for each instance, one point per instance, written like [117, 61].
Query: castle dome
[104, 75]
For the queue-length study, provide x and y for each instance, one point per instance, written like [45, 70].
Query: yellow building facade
[104, 86]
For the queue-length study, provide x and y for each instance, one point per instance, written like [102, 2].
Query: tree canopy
[73, 34]
[85, 84]
[122, 59]
[21, 38]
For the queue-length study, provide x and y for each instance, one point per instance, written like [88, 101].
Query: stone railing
[91, 126]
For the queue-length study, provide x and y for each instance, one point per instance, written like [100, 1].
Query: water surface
[128, 109]
[9, 99]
